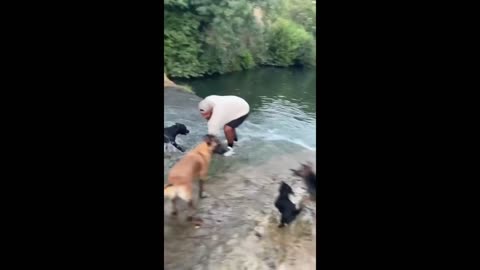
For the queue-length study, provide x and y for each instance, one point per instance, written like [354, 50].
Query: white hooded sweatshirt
[225, 109]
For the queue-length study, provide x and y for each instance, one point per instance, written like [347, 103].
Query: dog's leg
[200, 189]
[203, 177]
[190, 204]
[178, 147]
[192, 208]
[195, 220]
[283, 221]
[174, 206]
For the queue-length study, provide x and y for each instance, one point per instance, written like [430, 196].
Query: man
[224, 112]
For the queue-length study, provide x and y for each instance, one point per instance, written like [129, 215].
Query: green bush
[290, 44]
[303, 13]
[204, 37]
[308, 54]
[246, 60]
[182, 45]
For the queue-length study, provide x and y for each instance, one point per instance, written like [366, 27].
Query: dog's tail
[298, 211]
[300, 207]
[169, 191]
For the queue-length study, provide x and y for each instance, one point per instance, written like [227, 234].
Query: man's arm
[215, 124]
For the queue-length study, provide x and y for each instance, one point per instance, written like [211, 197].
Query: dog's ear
[208, 139]
[307, 167]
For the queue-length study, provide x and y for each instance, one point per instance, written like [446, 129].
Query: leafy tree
[182, 46]
[289, 43]
[219, 36]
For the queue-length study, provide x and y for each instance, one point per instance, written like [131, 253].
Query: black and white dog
[170, 133]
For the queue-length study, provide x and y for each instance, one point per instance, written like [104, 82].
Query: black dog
[309, 178]
[285, 206]
[170, 133]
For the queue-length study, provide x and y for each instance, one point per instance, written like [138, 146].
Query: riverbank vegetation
[203, 37]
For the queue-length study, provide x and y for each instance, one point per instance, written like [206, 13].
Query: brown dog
[309, 178]
[194, 165]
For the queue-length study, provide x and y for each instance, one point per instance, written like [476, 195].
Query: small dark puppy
[285, 206]
[309, 178]
[170, 134]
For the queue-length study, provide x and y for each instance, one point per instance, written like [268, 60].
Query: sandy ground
[240, 221]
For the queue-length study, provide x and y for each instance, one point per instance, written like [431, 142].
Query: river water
[240, 220]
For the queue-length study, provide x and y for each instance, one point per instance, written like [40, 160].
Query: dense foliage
[219, 36]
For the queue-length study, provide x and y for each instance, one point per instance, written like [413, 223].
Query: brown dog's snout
[209, 139]
[220, 149]
[214, 142]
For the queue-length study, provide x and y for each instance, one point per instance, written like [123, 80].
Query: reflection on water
[282, 103]
[281, 120]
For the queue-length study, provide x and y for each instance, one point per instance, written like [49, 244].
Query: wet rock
[271, 264]
[201, 249]
[260, 230]
[198, 267]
